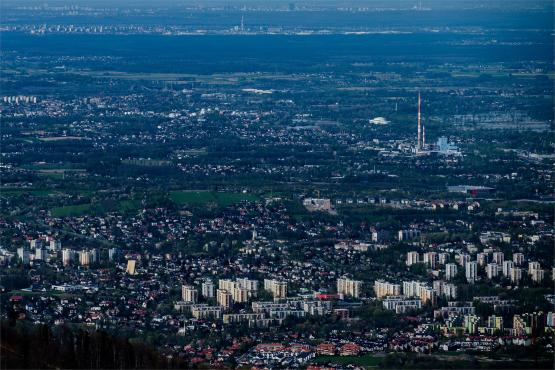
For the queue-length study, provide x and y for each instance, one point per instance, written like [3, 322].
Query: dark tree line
[26, 346]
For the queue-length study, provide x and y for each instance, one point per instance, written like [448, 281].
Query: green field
[68, 211]
[367, 360]
[199, 197]
[95, 209]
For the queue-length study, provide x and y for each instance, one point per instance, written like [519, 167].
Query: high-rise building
[280, 289]
[518, 259]
[40, 254]
[516, 275]
[463, 259]
[408, 234]
[95, 255]
[471, 323]
[411, 288]
[55, 245]
[430, 258]
[532, 265]
[537, 275]
[380, 236]
[131, 267]
[482, 259]
[450, 271]
[443, 258]
[224, 298]
[277, 288]
[529, 323]
[428, 294]
[189, 294]
[112, 253]
[249, 284]
[227, 284]
[23, 255]
[35, 243]
[471, 271]
[84, 257]
[492, 270]
[450, 291]
[384, 289]
[507, 267]
[348, 287]
[208, 289]
[240, 295]
[438, 286]
[498, 258]
[495, 322]
[67, 256]
[412, 258]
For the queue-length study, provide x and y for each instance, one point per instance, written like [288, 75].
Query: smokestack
[419, 143]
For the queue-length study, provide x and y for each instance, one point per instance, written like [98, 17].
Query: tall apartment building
[67, 256]
[427, 294]
[518, 259]
[24, 255]
[227, 284]
[412, 258]
[84, 258]
[55, 245]
[507, 267]
[450, 271]
[240, 295]
[348, 287]
[482, 259]
[189, 294]
[450, 291]
[498, 258]
[516, 275]
[408, 234]
[224, 298]
[277, 288]
[495, 322]
[251, 285]
[430, 258]
[443, 258]
[492, 270]
[537, 275]
[411, 288]
[384, 289]
[208, 289]
[471, 271]
[40, 254]
[463, 259]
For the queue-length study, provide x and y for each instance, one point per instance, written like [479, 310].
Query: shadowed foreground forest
[39, 347]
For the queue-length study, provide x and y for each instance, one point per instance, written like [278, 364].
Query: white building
[518, 259]
[412, 258]
[450, 271]
[349, 287]
[208, 289]
[189, 294]
[492, 270]
[471, 271]
[23, 255]
[507, 267]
